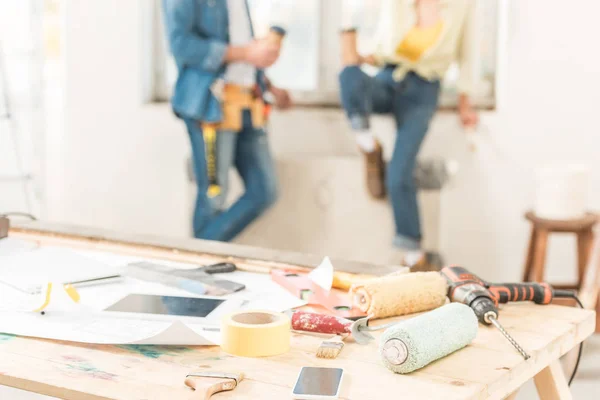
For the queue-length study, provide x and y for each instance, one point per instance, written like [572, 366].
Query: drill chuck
[484, 308]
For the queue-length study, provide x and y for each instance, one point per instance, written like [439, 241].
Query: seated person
[420, 40]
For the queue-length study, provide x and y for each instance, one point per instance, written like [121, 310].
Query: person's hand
[468, 115]
[283, 100]
[370, 59]
[262, 53]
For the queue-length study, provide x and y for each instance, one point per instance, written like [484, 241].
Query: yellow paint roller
[401, 294]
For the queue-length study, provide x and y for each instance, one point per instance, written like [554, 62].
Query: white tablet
[174, 307]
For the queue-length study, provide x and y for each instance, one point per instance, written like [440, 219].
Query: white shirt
[240, 34]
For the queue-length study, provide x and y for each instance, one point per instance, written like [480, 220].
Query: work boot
[375, 172]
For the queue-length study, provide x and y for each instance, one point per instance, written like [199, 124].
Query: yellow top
[456, 42]
[418, 40]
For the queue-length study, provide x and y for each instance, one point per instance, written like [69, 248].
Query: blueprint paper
[85, 322]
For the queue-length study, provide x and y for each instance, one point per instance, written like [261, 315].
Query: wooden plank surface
[180, 249]
[487, 369]
[512, 396]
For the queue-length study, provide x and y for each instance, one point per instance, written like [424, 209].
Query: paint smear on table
[6, 338]
[155, 352]
[83, 367]
[213, 358]
[75, 359]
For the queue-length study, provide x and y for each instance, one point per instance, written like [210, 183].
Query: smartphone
[318, 383]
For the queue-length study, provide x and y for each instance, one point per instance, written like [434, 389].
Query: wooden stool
[590, 289]
[541, 228]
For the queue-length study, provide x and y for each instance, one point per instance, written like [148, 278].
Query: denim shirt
[198, 35]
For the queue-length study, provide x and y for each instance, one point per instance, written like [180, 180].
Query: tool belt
[235, 100]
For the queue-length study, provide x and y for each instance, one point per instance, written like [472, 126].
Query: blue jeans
[249, 151]
[413, 102]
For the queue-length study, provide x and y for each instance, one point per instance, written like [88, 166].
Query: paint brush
[330, 348]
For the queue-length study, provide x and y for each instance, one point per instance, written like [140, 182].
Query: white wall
[21, 141]
[123, 160]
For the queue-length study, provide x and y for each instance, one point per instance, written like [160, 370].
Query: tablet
[173, 306]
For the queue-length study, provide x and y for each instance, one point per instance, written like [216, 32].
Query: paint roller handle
[470, 133]
[320, 323]
[539, 293]
[470, 129]
[207, 383]
[219, 268]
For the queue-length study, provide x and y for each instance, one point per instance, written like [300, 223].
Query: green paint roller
[417, 342]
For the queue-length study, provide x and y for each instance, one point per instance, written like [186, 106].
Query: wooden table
[489, 368]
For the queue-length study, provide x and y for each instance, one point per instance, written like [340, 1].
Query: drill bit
[494, 321]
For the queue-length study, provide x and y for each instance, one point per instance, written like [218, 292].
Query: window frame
[156, 53]
[328, 61]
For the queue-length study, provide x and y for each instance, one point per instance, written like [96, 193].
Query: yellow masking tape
[255, 334]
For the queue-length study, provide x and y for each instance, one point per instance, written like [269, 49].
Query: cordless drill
[483, 297]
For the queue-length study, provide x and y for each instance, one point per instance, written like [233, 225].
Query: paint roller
[414, 343]
[400, 294]
[404, 346]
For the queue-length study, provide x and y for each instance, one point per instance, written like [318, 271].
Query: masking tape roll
[255, 334]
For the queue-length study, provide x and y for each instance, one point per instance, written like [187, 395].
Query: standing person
[220, 95]
[420, 39]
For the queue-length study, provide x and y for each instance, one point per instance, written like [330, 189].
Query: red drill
[483, 297]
